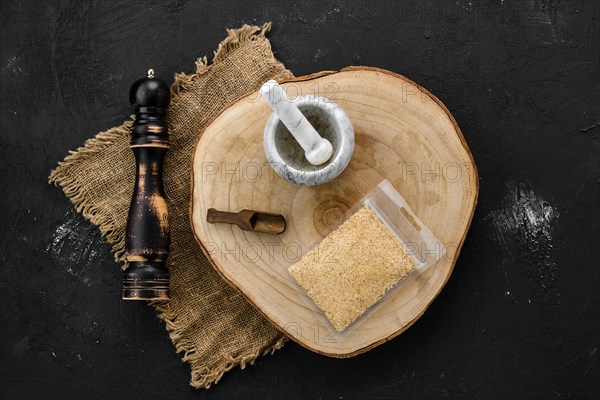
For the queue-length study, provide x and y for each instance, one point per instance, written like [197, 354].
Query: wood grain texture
[403, 134]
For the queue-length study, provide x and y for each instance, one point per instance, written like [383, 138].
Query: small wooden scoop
[249, 220]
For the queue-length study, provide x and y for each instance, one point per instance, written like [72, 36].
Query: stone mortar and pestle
[308, 140]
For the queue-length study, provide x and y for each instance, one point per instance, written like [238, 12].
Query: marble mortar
[286, 156]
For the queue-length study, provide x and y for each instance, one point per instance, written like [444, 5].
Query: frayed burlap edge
[235, 37]
[63, 177]
[202, 376]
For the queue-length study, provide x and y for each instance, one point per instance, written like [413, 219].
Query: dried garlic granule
[352, 267]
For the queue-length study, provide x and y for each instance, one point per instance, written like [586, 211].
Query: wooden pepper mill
[147, 238]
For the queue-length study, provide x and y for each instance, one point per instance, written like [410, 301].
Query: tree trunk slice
[403, 134]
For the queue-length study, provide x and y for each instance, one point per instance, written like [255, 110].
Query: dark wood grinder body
[147, 238]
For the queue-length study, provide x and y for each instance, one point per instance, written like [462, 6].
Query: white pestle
[317, 150]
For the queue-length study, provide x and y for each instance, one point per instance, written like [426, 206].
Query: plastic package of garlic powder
[393, 210]
[380, 244]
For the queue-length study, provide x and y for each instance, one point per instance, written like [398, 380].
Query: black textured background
[519, 316]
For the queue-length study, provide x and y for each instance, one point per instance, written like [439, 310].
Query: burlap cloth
[207, 320]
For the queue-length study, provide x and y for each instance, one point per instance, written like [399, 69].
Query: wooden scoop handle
[249, 220]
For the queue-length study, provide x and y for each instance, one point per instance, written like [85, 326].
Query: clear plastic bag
[346, 289]
[393, 210]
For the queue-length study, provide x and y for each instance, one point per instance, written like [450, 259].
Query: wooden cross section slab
[403, 134]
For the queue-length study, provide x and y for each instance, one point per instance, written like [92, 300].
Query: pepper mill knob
[149, 92]
[147, 238]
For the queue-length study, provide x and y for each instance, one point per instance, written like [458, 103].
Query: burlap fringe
[63, 177]
[202, 376]
[235, 37]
